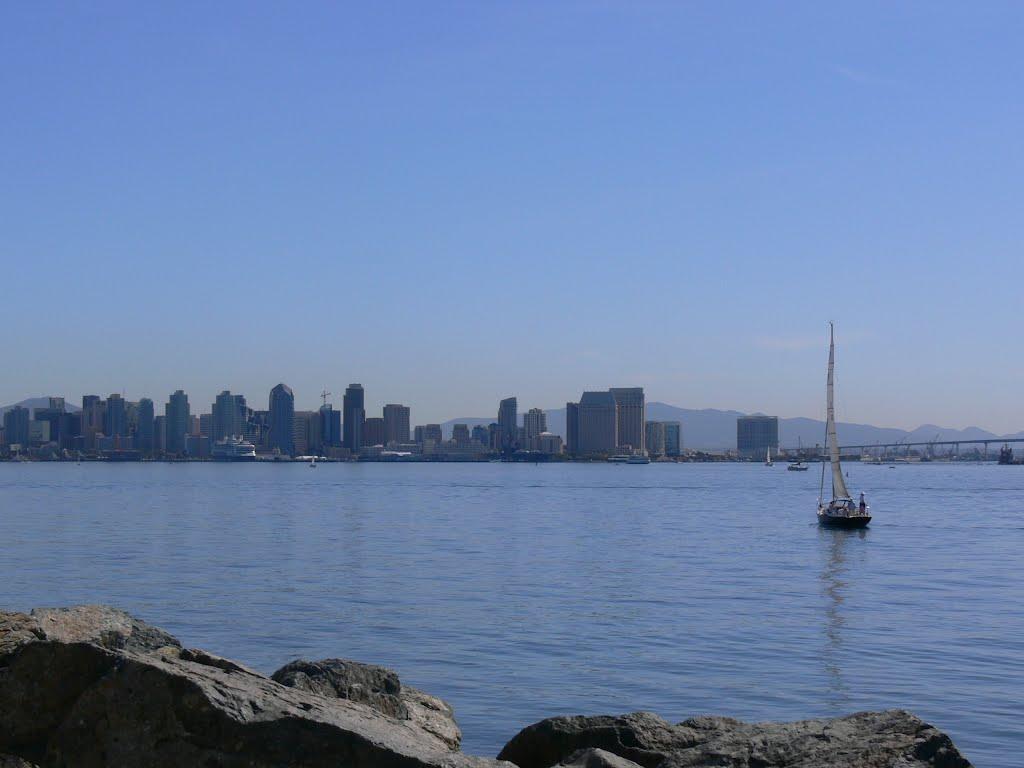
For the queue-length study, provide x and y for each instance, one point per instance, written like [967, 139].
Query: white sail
[838, 486]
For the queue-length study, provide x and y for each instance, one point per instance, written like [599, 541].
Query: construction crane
[324, 395]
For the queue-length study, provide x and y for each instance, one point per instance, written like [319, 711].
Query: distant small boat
[312, 463]
[768, 458]
[638, 459]
[841, 511]
[797, 466]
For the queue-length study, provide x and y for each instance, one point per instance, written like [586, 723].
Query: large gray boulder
[91, 686]
[377, 687]
[890, 739]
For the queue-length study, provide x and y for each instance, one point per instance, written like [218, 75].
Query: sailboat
[768, 458]
[841, 512]
[798, 465]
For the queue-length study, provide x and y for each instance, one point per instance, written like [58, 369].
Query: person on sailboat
[863, 504]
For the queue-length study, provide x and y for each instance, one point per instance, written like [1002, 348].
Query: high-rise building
[16, 428]
[598, 423]
[330, 426]
[93, 408]
[480, 434]
[282, 418]
[535, 421]
[755, 435]
[177, 423]
[306, 436]
[353, 415]
[373, 431]
[654, 434]
[673, 438]
[228, 415]
[396, 423]
[572, 428]
[460, 435]
[115, 420]
[508, 423]
[55, 415]
[144, 427]
[631, 414]
[433, 432]
[159, 434]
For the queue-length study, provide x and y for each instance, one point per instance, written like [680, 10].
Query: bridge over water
[895, 449]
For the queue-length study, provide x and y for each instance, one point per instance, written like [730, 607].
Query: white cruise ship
[233, 448]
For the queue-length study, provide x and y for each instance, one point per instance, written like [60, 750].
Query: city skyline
[233, 198]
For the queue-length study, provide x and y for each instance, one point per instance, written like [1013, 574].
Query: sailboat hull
[843, 521]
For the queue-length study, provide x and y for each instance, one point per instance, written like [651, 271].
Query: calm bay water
[520, 591]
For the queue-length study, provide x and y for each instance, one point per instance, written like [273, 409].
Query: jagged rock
[377, 687]
[889, 739]
[12, 761]
[596, 758]
[92, 686]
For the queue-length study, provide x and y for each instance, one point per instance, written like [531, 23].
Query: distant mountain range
[715, 430]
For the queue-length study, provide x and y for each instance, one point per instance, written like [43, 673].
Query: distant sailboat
[768, 458]
[841, 512]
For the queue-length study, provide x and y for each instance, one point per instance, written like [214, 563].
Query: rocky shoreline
[93, 686]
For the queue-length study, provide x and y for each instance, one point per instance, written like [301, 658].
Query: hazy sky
[455, 202]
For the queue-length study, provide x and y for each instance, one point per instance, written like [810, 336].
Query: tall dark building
[373, 431]
[330, 425]
[755, 435]
[598, 423]
[16, 426]
[228, 416]
[56, 416]
[396, 423]
[282, 419]
[177, 423]
[572, 428]
[115, 419]
[353, 415]
[508, 423]
[144, 427]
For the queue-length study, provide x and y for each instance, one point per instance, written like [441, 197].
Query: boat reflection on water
[838, 544]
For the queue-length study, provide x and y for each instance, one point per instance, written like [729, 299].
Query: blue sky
[454, 202]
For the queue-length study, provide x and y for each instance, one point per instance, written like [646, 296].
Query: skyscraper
[56, 416]
[330, 426]
[144, 423]
[673, 438]
[508, 423]
[755, 435]
[598, 419]
[535, 421]
[177, 423]
[115, 420]
[572, 428]
[460, 435]
[655, 437]
[93, 408]
[396, 423]
[372, 431]
[282, 418]
[631, 414]
[229, 415]
[353, 414]
[16, 426]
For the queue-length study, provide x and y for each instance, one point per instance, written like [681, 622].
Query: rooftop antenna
[324, 395]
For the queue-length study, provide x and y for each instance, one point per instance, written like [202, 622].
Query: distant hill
[715, 430]
[37, 402]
